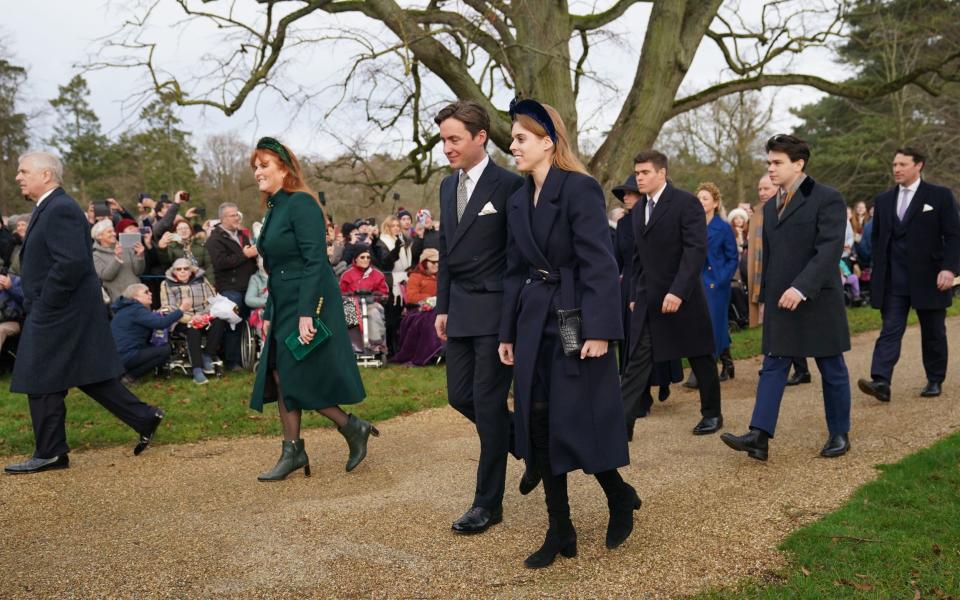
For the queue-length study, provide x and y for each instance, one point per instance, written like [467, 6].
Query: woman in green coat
[293, 245]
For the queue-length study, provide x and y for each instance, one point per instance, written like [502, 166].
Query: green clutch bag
[299, 350]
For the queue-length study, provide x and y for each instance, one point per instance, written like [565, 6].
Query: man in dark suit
[473, 242]
[670, 318]
[66, 340]
[916, 255]
[804, 312]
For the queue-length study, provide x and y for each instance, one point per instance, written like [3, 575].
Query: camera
[202, 212]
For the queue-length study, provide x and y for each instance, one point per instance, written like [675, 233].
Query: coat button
[709, 268]
[528, 281]
[712, 285]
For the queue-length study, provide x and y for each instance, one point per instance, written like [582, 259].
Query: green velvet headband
[271, 144]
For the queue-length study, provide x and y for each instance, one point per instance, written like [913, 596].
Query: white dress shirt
[473, 175]
[911, 190]
[44, 197]
[652, 203]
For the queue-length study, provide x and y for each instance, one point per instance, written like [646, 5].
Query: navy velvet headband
[535, 111]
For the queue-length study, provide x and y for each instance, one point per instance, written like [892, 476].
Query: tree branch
[598, 20]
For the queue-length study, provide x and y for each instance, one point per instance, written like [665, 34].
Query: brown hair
[712, 189]
[292, 182]
[473, 116]
[659, 159]
[563, 155]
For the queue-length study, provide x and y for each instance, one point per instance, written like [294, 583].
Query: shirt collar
[912, 187]
[656, 195]
[477, 170]
[44, 197]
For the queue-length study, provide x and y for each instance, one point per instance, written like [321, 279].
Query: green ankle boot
[357, 432]
[293, 456]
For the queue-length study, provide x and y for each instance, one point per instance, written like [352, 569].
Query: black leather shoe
[708, 425]
[35, 465]
[877, 389]
[530, 479]
[477, 520]
[147, 437]
[837, 444]
[798, 378]
[754, 443]
[931, 390]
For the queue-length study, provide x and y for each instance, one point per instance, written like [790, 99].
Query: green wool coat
[293, 245]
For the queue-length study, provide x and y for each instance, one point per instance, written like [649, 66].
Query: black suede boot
[726, 365]
[561, 537]
[622, 500]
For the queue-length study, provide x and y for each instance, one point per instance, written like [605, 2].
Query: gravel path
[191, 521]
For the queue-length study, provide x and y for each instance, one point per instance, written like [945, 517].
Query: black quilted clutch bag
[570, 336]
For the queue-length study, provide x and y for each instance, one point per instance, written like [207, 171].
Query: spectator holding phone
[183, 244]
[133, 325]
[11, 306]
[116, 266]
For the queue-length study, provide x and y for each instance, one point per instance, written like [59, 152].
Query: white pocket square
[487, 209]
[927, 208]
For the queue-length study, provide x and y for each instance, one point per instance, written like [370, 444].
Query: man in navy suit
[916, 255]
[66, 340]
[800, 288]
[473, 241]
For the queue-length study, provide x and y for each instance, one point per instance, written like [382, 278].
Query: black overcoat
[669, 253]
[932, 231]
[472, 253]
[802, 249]
[66, 339]
[566, 232]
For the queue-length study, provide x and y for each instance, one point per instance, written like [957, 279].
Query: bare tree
[480, 48]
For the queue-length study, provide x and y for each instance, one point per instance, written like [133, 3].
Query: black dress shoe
[798, 378]
[530, 479]
[754, 443]
[477, 520]
[708, 425]
[837, 444]
[877, 389]
[35, 465]
[147, 437]
[931, 390]
[630, 425]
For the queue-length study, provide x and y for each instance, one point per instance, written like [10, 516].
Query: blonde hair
[564, 157]
[387, 223]
[712, 189]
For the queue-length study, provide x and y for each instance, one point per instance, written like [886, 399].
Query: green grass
[220, 409]
[897, 537]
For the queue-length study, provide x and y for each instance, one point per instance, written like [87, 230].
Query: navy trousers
[933, 340]
[773, 381]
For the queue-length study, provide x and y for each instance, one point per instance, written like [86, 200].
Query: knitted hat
[352, 251]
[124, 223]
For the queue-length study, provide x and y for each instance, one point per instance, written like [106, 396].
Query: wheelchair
[356, 311]
[180, 358]
[251, 340]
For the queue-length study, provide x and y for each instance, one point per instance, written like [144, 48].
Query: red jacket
[420, 286]
[356, 279]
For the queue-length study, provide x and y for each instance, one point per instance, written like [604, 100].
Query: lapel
[546, 211]
[36, 217]
[524, 235]
[658, 210]
[915, 203]
[799, 198]
[488, 182]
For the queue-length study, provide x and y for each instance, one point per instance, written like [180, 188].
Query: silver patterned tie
[462, 195]
[902, 208]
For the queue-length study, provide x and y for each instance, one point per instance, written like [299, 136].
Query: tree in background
[721, 142]
[77, 136]
[13, 134]
[415, 56]
[854, 140]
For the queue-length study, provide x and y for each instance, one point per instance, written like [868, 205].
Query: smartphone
[100, 209]
[145, 230]
[202, 212]
[129, 240]
[185, 196]
[175, 237]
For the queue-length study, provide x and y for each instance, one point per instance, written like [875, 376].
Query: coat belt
[565, 277]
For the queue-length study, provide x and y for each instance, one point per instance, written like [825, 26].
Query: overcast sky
[50, 37]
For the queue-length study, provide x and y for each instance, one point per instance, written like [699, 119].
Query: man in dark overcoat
[66, 340]
[916, 256]
[473, 243]
[670, 317]
[804, 312]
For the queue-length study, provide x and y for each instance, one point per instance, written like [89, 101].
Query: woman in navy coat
[568, 413]
[722, 260]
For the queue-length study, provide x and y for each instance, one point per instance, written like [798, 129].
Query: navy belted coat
[566, 235]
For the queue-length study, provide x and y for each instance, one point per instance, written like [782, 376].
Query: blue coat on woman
[722, 261]
[566, 233]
